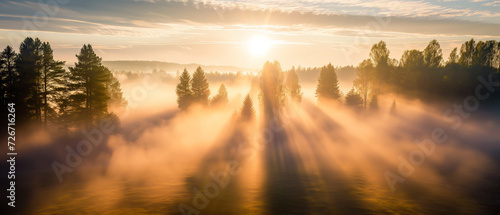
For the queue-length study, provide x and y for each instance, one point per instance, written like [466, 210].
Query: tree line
[277, 88]
[418, 74]
[47, 94]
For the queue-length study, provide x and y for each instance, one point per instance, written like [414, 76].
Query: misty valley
[413, 135]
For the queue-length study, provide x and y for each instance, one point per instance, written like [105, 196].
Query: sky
[249, 32]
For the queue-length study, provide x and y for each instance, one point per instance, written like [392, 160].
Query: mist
[328, 158]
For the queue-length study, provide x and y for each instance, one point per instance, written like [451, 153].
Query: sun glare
[259, 45]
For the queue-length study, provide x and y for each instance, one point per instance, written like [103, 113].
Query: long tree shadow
[215, 186]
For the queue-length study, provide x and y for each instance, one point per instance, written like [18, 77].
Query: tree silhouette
[328, 84]
[200, 87]
[116, 99]
[412, 62]
[393, 109]
[28, 95]
[247, 110]
[467, 53]
[433, 55]
[486, 53]
[221, 97]
[51, 81]
[8, 75]
[183, 90]
[353, 99]
[363, 83]
[272, 88]
[88, 81]
[374, 106]
[380, 57]
[293, 87]
[453, 57]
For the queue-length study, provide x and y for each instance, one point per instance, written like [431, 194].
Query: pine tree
[293, 87]
[28, 90]
[116, 100]
[88, 81]
[393, 109]
[221, 97]
[247, 111]
[51, 81]
[328, 84]
[8, 75]
[200, 87]
[183, 91]
[272, 88]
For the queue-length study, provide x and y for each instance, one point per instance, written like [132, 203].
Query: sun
[259, 45]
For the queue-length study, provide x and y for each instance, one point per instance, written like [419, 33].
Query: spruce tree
[28, 95]
[116, 99]
[8, 75]
[51, 81]
[221, 97]
[293, 87]
[374, 106]
[183, 91]
[328, 84]
[272, 88]
[200, 87]
[393, 110]
[88, 81]
[247, 111]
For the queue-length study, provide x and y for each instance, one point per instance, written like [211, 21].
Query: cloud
[492, 4]
[149, 19]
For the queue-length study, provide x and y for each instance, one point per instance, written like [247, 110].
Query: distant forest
[167, 67]
[425, 75]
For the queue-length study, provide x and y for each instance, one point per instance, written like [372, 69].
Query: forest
[423, 75]
[48, 95]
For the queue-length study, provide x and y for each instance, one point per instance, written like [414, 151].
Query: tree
[116, 99]
[88, 81]
[374, 103]
[380, 56]
[28, 95]
[412, 62]
[293, 87]
[453, 57]
[412, 59]
[433, 55]
[272, 89]
[184, 93]
[364, 80]
[353, 99]
[8, 75]
[393, 109]
[200, 87]
[485, 53]
[221, 97]
[328, 84]
[247, 111]
[51, 81]
[467, 53]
